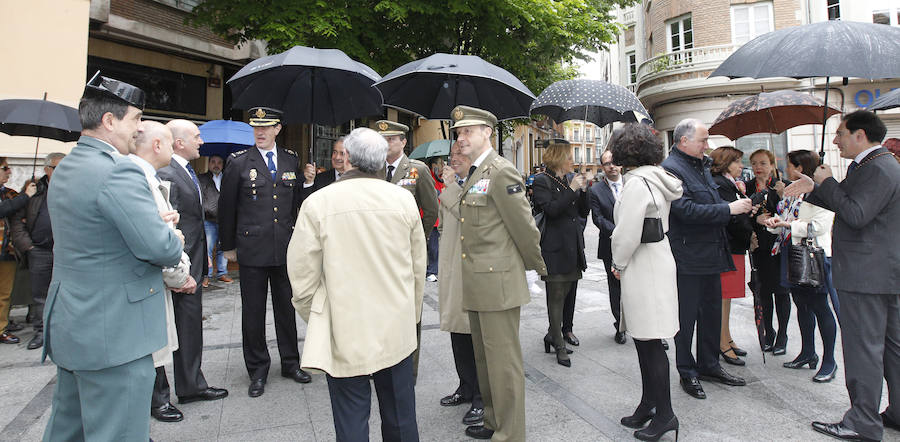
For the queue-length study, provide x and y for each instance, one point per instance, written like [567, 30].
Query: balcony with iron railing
[681, 65]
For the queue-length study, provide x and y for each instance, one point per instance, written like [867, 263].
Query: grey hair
[51, 157]
[339, 140]
[367, 150]
[685, 128]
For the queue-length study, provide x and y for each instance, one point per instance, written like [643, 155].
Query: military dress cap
[462, 116]
[115, 88]
[264, 116]
[387, 128]
[552, 141]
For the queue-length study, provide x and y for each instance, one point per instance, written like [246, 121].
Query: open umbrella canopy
[596, 101]
[39, 118]
[431, 87]
[221, 137]
[436, 148]
[310, 85]
[825, 49]
[769, 112]
[886, 101]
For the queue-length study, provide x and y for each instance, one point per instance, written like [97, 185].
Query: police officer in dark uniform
[257, 208]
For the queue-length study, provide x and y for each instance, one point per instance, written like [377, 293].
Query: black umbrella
[433, 86]
[310, 85]
[825, 49]
[41, 119]
[596, 101]
[755, 288]
[886, 101]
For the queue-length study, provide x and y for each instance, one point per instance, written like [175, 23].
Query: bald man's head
[187, 139]
[154, 143]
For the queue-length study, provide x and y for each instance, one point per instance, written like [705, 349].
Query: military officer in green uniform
[105, 312]
[415, 176]
[499, 242]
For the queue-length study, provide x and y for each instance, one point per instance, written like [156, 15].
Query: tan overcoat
[453, 318]
[356, 262]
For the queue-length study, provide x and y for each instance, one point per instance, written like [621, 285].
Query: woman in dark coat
[768, 266]
[725, 169]
[562, 244]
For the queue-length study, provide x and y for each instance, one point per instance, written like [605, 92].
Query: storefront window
[165, 90]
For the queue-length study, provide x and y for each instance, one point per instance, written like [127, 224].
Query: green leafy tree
[536, 40]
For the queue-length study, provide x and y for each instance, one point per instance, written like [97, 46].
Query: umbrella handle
[824, 120]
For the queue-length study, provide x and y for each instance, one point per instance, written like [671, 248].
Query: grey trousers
[870, 332]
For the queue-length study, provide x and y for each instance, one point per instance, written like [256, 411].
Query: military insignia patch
[413, 174]
[253, 174]
[513, 188]
[458, 114]
[288, 176]
[382, 126]
[260, 113]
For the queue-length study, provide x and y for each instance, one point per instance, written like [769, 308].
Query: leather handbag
[806, 262]
[653, 227]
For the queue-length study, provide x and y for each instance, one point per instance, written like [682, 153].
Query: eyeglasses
[52, 167]
[608, 163]
[5, 168]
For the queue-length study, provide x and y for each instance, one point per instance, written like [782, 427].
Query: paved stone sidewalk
[581, 403]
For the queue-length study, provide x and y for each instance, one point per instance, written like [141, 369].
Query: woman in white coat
[796, 221]
[647, 272]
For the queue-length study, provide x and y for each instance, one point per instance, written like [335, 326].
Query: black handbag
[653, 227]
[806, 262]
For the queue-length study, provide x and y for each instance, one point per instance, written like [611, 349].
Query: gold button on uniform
[276, 209]
[462, 237]
[276, 220]
[152, 291]
[462, 220]
[490, 269]
[274, 197]
[463, 256]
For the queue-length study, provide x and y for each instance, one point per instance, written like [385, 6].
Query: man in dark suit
[315, 181]
[866, 271]
[190, 384]
[257, 208]
[697, 236]
[604, 195]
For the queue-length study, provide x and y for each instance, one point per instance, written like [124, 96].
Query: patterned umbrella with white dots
[596, 101]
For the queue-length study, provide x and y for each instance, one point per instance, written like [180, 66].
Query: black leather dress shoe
[474, 416]
[257, 388]
[297, 375]
[888, 422]
[838, 431]
[692, 387]
[571, 339]
[620, 338]
[36, 342]
[454, 400]
[210, 394]
[723, 377]
[479, 432]
[167, 413]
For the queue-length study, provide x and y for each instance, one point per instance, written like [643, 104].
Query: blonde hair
[556, 155]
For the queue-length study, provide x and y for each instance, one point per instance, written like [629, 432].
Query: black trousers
[186, 361]
[351, 400]
[40, 265]
[464, 358]
[615, 293]
[569, 309]
[254, 284]
[700, 305]
[775, 299]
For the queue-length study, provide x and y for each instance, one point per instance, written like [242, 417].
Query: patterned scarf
[788, 210]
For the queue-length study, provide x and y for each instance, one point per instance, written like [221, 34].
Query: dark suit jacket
[602, 204]
[322, 179]
[185, 198]
[865, 244]
[740, 227]
[562, 244]
[256, 215]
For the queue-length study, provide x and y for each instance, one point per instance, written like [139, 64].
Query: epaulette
[238, 153]
[417, 162]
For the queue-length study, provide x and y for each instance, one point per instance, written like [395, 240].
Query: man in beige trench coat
[356, 262]
[453, 318]
[499, 242]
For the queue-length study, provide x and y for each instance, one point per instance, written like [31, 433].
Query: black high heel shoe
[800, 362]
[637, 420]
[653, 434]
[825, 377]
[733, 361]
[548, 343]
[737, 350]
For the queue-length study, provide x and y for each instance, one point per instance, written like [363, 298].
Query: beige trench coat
[649, 285]
[356, 262]
[453, 318]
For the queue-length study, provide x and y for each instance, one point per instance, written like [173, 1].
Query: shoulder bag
[806, 262]
[653, 227]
